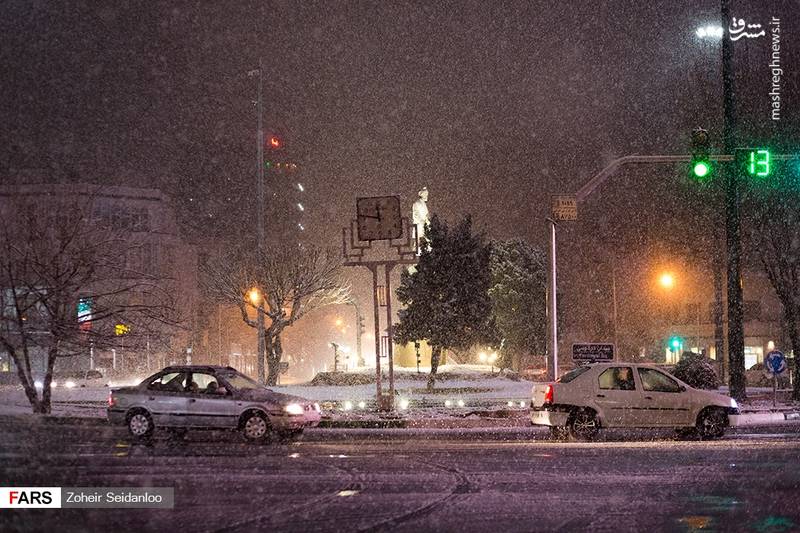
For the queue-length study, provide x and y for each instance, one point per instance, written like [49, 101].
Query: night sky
[493, 106]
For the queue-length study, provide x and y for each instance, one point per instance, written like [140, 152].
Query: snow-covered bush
[697, 370]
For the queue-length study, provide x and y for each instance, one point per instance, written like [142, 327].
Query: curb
[745, 419]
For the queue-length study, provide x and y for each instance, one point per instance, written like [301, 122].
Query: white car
[628, 395]
[214, 397]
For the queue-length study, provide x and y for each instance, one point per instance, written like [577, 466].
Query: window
[172, 382]
[572, 374]
[240, 382]
[204, 383]
[655, 381]
[617, 378]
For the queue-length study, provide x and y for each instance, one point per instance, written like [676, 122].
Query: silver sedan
[213, 397]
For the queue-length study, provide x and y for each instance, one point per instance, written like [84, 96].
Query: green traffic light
[675, 342]
[701, 169]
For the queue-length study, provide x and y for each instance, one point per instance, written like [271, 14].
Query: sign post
[774, 364]
[563, 207]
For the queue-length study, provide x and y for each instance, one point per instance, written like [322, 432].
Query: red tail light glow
[111, 400]
[548, 394]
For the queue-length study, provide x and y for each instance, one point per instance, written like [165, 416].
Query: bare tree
[53, 257]
[289, 282]
[773, 217]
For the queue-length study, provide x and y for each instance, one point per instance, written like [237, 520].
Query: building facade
[143, 221]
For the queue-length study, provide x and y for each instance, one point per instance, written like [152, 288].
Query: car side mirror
[223, 391]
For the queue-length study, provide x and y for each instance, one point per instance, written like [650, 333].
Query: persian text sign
[593, 351]
[565, 207]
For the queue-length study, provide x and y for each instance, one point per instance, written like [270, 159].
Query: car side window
[171, 382]
[204, 384]
[617, 378]
[655, 381]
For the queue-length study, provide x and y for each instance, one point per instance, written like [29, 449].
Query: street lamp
[710, 31]
[254, 296]
[667, 280]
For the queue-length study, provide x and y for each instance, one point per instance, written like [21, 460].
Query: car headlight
[734, 404]
[294, 409]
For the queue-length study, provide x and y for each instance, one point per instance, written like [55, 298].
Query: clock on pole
[378, 218]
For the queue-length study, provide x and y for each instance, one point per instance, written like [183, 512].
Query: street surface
[407, 480]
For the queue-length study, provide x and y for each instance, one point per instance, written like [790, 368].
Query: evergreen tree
[446, 298]
[518, 293]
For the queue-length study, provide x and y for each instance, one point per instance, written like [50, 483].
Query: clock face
[378, 218]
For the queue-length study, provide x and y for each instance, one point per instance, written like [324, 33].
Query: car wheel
[711, 423]
[140, 424]
[558, 432]
[583, 425]
[255, 426]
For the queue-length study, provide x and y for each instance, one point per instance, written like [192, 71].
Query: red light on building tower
[274, 142]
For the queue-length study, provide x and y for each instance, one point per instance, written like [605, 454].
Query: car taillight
[548, 394]
[111, 400]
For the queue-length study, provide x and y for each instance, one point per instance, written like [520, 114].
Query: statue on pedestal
[419, 215]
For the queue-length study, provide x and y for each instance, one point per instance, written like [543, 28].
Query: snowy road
[340, 480]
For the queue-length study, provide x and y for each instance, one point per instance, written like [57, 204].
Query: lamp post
[256, 298]
[666, 280]
[260, 214]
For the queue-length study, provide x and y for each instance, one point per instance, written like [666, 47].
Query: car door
[209, 403]
[166, 399]
[617, 396]
[666, 403]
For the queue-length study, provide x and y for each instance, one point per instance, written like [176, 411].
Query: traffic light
[754, 162]
[675, 343]
[701, 167]
[273, 146]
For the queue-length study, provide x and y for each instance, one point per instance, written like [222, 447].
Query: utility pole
[736, 369]
[260, 222]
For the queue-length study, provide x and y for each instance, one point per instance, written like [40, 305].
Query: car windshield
[572, 374]
[240, 381]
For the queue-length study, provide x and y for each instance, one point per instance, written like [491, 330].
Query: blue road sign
[775, 362]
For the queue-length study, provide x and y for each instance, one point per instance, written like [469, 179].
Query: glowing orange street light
[667, 280]
[254, 296]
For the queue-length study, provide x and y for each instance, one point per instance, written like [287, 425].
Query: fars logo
[29, 497]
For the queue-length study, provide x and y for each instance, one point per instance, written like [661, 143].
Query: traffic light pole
[736, 370]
